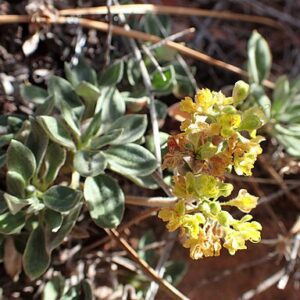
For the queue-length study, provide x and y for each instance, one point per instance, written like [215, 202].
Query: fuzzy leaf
[90, 95]
[113, 107]
[89, 163]
[130, 159]
[134, 127]
[62, 91]
[56, 131]
[36, 258]
[53, 219]
[105, 200]
[21, 160]
[61, 198]
[106, 139]
[33, 93]
[37, 142]
[80, 72]
[55, 239]
[10, 224]
[54, 159]
[15, 184]
[112, 75]
[259, 58]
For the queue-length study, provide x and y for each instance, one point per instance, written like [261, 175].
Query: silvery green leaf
[14, 204]
[259, 58]
[112, 75]
[53, 219]
[90, 95]
[21, 160]
[89, 163]
[80, 72]
[10, 224]
[134, 127]
[33, 93]
[15, 184]
[281, 94]
[62, 91]
[130, 159]
[55, 239]
[106, 139]
[36, 258]
[61, 198]
[105, 200]
[56, 131]
[54, 159]
[92, 129]
[37, 142]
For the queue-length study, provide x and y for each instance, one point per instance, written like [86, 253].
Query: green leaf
[62, 91]
[89, 163]
[133, 126]
[53, 219]
[71, 120]
[131, 159]
[46, 108]
[54, 159]
[163, 138]
[37, 142]
[11, 224]
[5, 139]
[34, 94]
[14, 204]
[157, 25]
[21, 160]
[105, 200]
[259, 58]
[61, 198]
[90, 95]
[106, 139]
[113, 107]
[36, 258]
[81, 72]
[112, 75]
[93, 128]
[163, 85]
[146, 182]
[54, 288]
[3, 206]
[56, 131]
[86, 290]
[55, 239]
[133, 72]
[15, 184]
[281, 94]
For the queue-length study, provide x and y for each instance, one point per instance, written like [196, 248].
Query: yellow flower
[244, 201]
[174, 216]
[249, 230]
[188, 105]
[204, 99]
[246, 154]
[192, 222]
[234, 241]
[229, 122]
[205, 244]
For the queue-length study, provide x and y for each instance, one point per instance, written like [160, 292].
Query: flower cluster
[210, 145]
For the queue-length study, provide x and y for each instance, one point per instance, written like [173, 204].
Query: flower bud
[240, 91]
[225, 218]
[215, 207]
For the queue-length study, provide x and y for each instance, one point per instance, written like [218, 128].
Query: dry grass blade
[117, 30]
[165, 285]
[151, 201]
[171, 10]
